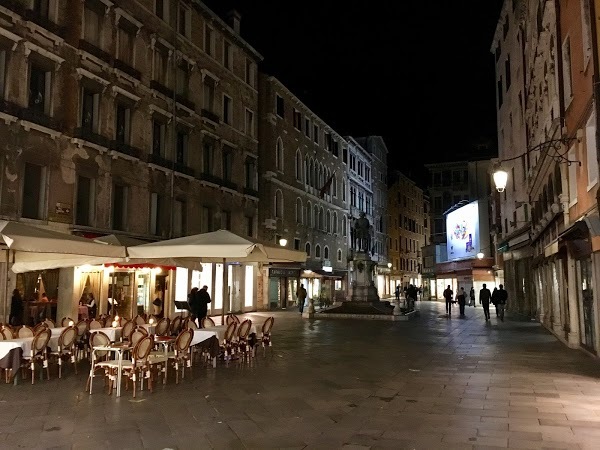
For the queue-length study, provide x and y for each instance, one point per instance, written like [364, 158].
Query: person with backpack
[448, 294]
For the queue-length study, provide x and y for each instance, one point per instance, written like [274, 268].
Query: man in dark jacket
[501, 301]
[448, 294]
[203, 301]
[484, 298]
[193, 301]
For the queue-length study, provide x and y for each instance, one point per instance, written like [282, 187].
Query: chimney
[233, 20]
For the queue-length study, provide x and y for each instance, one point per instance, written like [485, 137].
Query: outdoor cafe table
[220, 330]
[12, 351]
[113, 333]
[119, 349]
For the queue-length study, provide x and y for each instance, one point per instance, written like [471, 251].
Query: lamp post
[283, 242]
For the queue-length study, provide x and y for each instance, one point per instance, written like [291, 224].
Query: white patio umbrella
[221, 246]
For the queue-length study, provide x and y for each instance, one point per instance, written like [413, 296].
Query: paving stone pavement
[429, 383]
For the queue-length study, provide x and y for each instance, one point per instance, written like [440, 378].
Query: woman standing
[16, 309]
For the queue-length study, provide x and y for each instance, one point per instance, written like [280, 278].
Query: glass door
[587, 293]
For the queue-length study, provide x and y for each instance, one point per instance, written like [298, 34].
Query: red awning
[140, 266]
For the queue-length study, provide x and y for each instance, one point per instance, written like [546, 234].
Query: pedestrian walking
[397, 293]
[203, 301]
[448, 295]
[301, 295]
[502, 296]
[484, 298]
[16, 309]
[193, 301]
[495, 300]
[472, 297]
[462, 300]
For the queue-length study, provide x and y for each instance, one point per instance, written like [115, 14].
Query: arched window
[298, 165]
[550, 190]
[334, 223]
[308, 214]
[557, 180]
[339, 255]
[321, 220]
[307, 248]
[317, 251]
[328, 222]
[312, 173]
[298, 211]
[306, 171]
[279, 155]
[343, 189]
[326, 253]
[278, 204]
[344, 226]
[315, 223]
[320, 177]
[325, 178]
[334, 186]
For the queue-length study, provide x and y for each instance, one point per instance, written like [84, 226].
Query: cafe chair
[139, 320]
[228, 345]
[39, 326]
[181, 356]
[242, 344]
[175, 325]
[8, 332]
[190, 324]
[81, 343]
[162, 327]
[26, 331]
[66, 349]
[65, 322]
[137, 334]
[49, 323]
[266, 335]
[232, 318]
[95, 324]
[127, 329]
[97, 339]
[138, 368]
[38, 353]
[207, 322]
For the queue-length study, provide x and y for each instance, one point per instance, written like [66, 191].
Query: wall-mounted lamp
[480, 255]
[389, 265]
[283, 242]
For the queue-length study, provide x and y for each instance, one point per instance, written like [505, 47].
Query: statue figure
[362, 234]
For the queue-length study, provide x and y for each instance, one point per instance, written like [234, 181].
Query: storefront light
[500, 179]
[480, 255]
[283, 242]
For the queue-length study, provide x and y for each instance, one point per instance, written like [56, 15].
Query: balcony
[182, 168]
[251, 192]
[182, 99]
[209, 115]
[44, 22]
[158, 87]
[126, 149]
[95, 51]
[209, 177]
[10, 108]
[35, 116]
[90, 136]
[160, 160]
[126, 68]
[229, 184]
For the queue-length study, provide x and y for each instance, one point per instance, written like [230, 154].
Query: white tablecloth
[57, 331]
[149, 328]
[220, 330]
[114, 334]
[202, 335]
[24, 344]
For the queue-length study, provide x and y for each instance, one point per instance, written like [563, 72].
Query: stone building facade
[137, 118]
[304, 196]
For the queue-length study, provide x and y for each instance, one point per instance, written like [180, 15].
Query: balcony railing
[185, 101]
[161, 88]
[209, 177]
[126, 149]
[250, 191]
[96, 51]
[209, 115]
[44, 22]
[40, 118]
[90, 136]
[126, 68]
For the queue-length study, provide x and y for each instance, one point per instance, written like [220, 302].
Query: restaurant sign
[284, 273]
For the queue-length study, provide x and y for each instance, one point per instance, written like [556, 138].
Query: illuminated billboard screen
[462, 232]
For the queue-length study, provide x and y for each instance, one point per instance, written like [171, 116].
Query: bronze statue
[361, 239]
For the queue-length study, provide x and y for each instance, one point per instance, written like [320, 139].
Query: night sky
[420, 74]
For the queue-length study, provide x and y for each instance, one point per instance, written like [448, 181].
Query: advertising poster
[462, 232]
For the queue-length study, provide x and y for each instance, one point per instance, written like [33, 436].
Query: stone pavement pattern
[430, 383]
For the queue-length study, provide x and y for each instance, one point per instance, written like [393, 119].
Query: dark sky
[420, 73]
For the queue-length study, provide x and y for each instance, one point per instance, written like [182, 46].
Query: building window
[161, 62]
[123, 124]
[182, 147]
[227, 157]
[344, 226]
[567, 72]
[298, 165]
[317, 251]
[226, 220]
[126, 42]
[316, 134]
[308, 214]
[572, 177]
[279, 106]
[158, 137]
[316, 217]
[84, 201]
[249, 226]
[209, 40]
[119, 207]
[326, 252]
[307, 127]
[278, 204]
[249, 72]
[93, 16]
[299, 211]
[208, 91]
[321, 220]
[206, 224]
[182, 80]
[90, 108]
[250, 172]
[3, 72]
[34, 188]
[590, 143]
[161, 9]
[179, 222]
[307, 249]
[183, 20]
[297, 120]
[41, 8]
[345, 155]
[227, 110]
[344, 189]
[227, 55]
[249, 123]
[279, 155]
[208, 155]
[586, 32]
[296, 244]
[40, 82]
[334, 223]
[339, 255]
[156, 212]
